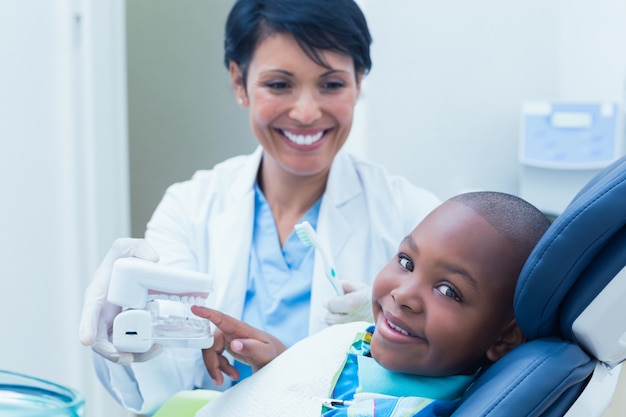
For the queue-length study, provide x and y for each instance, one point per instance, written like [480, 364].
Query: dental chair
[570, 302]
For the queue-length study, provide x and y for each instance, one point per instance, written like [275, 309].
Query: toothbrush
[307, 235]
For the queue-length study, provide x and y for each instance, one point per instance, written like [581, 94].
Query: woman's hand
[246, 343]
[96, 324]
[354, 305]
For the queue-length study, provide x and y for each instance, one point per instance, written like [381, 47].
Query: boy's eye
[449, 292]
[405, 262]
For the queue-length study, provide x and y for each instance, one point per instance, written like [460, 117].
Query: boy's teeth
[398, 329]
[303, 139]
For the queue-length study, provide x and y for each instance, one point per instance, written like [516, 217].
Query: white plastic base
[597, 396]
[600, 327]
[136, 331]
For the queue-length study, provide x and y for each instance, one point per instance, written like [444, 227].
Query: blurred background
[105, 104]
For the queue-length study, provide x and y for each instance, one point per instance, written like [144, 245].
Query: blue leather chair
[570, 302]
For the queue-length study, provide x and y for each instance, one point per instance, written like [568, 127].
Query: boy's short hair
[518, 221]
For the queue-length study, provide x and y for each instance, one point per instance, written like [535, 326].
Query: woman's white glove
[354, 305]
[96, 323]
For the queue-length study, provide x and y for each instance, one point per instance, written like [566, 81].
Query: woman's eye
[277, 85]
[449, 292]
[333, 85]
[405, 262]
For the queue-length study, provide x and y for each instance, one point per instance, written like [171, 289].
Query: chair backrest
[569, 303]
[577, 257]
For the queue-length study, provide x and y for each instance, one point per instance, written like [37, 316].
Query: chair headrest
[580, 253]
[534, 377]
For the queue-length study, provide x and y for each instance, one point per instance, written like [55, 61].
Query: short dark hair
[521, 223]
[317, 25]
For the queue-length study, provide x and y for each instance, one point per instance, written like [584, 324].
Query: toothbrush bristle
[308, 237]
[304, 238]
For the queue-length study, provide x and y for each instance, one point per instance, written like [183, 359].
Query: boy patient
[443, 310]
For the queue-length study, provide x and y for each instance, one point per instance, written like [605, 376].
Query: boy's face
[446, 298]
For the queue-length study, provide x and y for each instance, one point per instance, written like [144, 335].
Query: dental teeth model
[156, 301]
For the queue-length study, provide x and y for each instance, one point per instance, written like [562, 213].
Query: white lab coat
[206, 224]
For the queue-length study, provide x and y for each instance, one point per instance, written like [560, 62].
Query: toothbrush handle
[334, 281]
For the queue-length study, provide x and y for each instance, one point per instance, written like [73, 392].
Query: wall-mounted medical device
[562, 146]
[156, 301]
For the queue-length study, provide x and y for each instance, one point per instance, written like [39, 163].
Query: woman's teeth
[398, 329]
[303, 139]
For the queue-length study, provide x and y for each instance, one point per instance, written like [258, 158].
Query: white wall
[592, 52]
[442, 103]
[183, 115]
[63, 176]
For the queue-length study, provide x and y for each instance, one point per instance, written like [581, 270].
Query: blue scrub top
[278, 297]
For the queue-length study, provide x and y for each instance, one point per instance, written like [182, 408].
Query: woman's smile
[304, 138]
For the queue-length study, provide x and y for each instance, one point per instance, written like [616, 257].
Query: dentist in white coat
[297, 65]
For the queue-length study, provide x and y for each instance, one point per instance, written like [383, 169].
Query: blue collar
[375, 378]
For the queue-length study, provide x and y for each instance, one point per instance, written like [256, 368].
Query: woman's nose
[306, 108]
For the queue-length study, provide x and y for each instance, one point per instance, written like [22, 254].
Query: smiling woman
[301, 115]
[296, 66]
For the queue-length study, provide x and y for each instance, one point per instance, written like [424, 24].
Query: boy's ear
[511, 336]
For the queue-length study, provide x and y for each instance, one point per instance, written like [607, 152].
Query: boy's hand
[246, 343]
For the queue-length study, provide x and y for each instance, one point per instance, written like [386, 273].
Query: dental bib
[297, 387]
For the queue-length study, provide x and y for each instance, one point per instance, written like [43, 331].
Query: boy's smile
[394, 328]
[446, 299]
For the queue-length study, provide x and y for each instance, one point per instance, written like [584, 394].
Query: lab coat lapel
[343, 186]
[230, 235]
